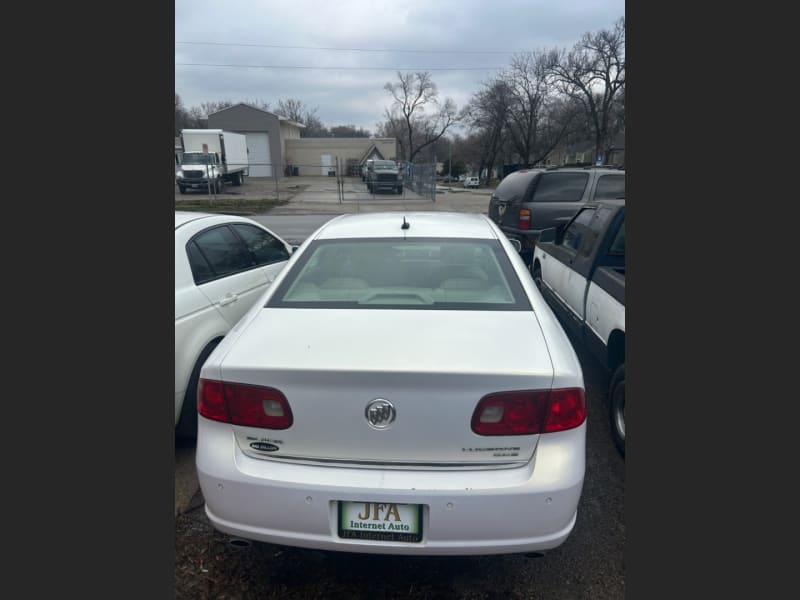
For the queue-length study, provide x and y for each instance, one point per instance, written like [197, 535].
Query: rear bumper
[463, 512]
[521, 234]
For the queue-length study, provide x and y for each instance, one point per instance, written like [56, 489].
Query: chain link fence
[416, 182]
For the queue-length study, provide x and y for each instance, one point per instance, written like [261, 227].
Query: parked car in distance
[580, 269]
[472, 182]
[528, 201]
[223, 264]
[371, 403]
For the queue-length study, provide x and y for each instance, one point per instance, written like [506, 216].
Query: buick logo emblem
[380, 413]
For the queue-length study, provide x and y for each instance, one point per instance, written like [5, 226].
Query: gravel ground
[588, 565]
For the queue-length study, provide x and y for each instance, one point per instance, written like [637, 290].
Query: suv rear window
[560, 187]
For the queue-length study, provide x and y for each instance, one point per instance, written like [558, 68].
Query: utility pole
[450, 162]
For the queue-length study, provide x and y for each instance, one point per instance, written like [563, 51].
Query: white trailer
[211, 157]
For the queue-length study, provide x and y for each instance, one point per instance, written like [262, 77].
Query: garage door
[258, 154]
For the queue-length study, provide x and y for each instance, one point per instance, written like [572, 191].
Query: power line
[352, 49]
[342, 68]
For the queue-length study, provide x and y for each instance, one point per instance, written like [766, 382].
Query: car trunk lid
[433, 367]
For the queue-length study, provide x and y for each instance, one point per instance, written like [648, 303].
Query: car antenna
[406, 224]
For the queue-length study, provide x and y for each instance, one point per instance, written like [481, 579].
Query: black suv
[528, 201]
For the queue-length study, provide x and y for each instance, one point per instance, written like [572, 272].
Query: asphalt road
[293, 228]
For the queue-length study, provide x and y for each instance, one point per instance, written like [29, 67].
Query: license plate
[380, 521]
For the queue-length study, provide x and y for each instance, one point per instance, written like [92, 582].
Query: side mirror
[516, 243]
[294, 249]
[548, 236]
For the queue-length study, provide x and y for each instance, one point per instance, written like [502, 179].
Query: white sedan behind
[223, 264]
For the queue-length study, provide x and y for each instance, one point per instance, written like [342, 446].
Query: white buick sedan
[373, 401]
[223, 264]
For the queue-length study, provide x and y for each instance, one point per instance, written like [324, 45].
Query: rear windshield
[450, 274]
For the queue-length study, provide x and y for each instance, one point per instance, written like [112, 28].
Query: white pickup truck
[580, 269]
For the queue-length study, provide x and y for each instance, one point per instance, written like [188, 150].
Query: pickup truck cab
[528, 201]
[580, 269]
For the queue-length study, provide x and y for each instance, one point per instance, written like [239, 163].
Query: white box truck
[211, 157]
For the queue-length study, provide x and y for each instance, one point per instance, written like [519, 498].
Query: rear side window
[224, 251]
[560, 187]
[514, 185]
[578, 229]
[610, 187]
[266, 249]
[201, 270]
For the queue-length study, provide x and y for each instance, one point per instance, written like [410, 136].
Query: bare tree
[424, 119]
[314, 127]
[257, 103]
[296, 110]
[207, 108]
[183, 120]
[197, 116]
[293, 109]
[392, 127]
[349, 131]
[536, 118]
[593, 73]
[487, 115]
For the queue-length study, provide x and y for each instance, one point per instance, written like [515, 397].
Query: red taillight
[524, 218]
[241, 404]
[567, 409]
[529, 412]
[210, 402]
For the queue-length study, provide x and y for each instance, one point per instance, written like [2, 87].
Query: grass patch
[230, 206]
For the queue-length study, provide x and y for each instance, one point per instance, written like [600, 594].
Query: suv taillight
[242, 404]
[524, 218]
[529, 412]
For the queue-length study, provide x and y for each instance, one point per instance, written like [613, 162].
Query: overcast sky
[479, 35]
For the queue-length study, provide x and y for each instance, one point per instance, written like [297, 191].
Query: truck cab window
[575, 232]
[595, 229]
[618, 245]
